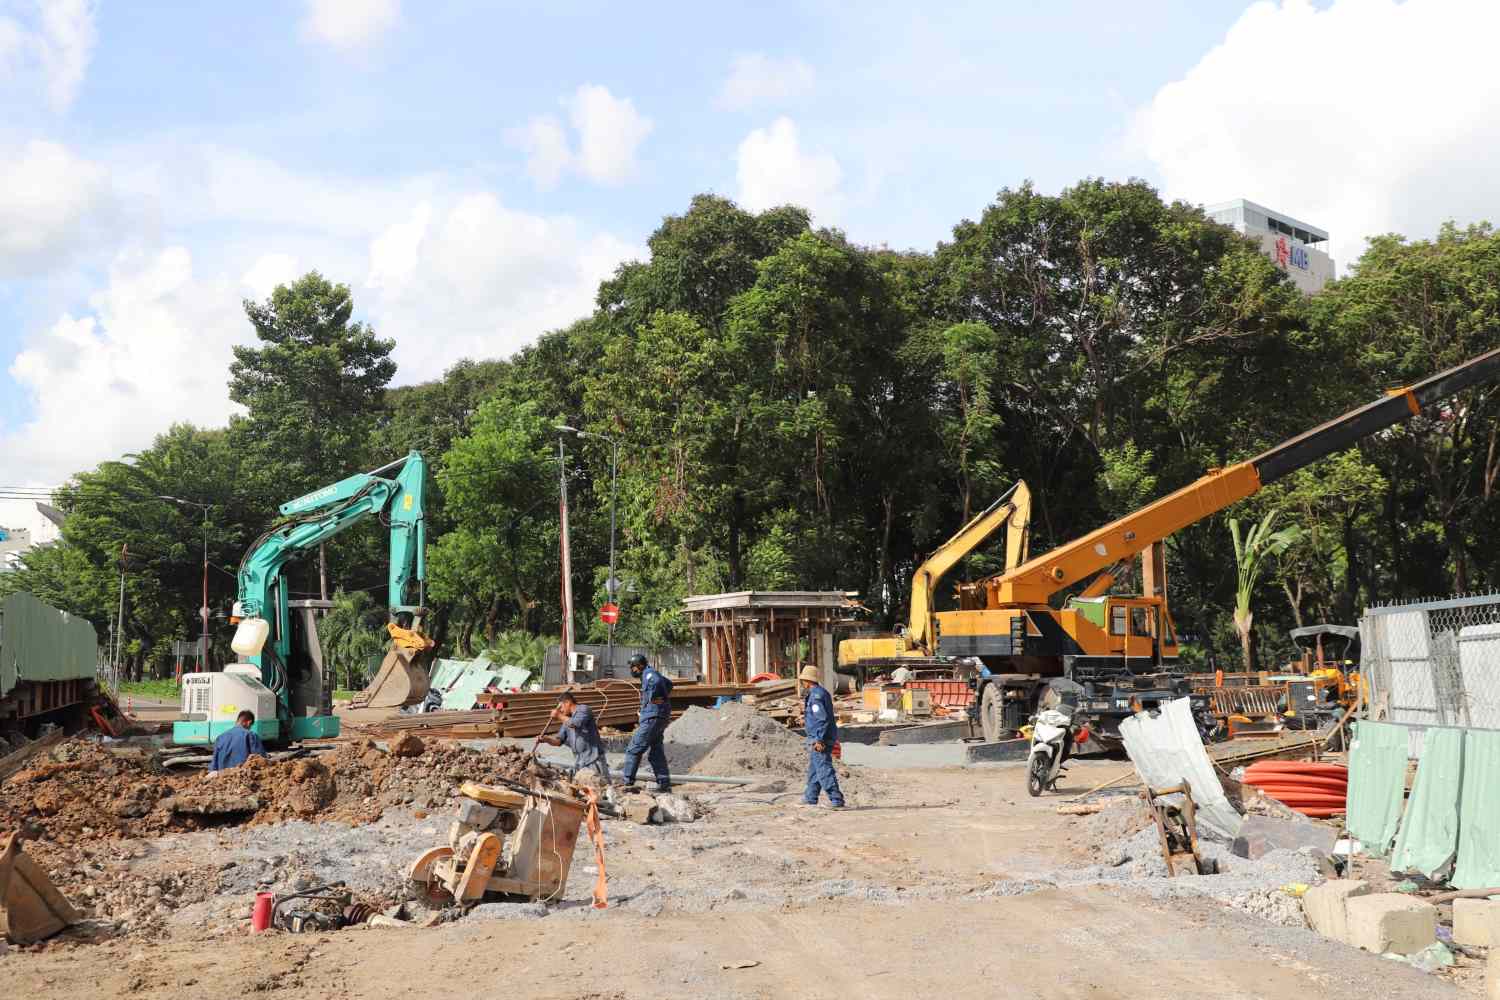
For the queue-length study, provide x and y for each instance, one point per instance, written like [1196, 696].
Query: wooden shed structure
[753, 632]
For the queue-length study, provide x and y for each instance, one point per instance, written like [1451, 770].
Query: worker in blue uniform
[237, 745]
[580, 733]
[656, 712]
[822, 733]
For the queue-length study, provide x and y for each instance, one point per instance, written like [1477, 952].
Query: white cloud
[773, 169]
[756, 78]
[49, 199]
[1362, 116]
[394, 253]
[490, 279]
[50, 46]
[545, 143]
[349, 24]
[267, 272]
[153, 348]
[609, 131]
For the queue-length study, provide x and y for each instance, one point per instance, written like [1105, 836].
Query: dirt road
[884, 901]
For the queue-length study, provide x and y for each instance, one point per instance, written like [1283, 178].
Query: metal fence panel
[1434, 663]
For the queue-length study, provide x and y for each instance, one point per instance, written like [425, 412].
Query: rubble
[83, 791]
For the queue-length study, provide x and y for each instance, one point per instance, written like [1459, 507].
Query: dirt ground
[761, 898]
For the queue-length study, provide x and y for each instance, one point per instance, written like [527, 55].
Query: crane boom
[1035, 581]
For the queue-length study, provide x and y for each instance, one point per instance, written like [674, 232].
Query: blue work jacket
[655, 685]
[581, 735]
[817, 717]
[234, 747]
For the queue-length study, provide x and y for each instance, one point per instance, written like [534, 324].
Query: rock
[675, 809]
[1325, 906]
[638, 808]
[1432, 958]
[1390, 921]
[1476, 922]
[508, 911]
[408, 745]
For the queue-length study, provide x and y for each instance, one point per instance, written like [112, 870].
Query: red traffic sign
[609, 614]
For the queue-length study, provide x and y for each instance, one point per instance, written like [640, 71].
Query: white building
[13, 542]
[1299, 249]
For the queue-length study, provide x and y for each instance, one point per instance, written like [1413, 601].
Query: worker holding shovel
[580, 732]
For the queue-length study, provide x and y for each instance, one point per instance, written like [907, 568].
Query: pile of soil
[83, 791]
[1102, 837]
[736, 740]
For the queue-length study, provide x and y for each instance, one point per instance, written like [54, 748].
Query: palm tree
[350, 634]
[1249, 552]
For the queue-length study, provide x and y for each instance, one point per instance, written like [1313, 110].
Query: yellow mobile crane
[1123, 650]
[915, 645]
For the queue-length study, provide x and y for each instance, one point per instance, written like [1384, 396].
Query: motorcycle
[1053, 732]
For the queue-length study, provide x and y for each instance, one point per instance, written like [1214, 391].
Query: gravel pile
[735, 739]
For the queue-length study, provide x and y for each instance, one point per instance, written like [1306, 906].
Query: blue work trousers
[821, 778]
[647, 740]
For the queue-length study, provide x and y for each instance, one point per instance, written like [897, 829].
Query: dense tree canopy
[793, 410]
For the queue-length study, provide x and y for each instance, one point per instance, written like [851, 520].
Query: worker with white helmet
[822, 733]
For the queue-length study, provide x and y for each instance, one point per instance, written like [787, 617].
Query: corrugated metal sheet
[1479, 827]
[1167, 750]
[1428, 839]
[1377, 783]
[40, 643]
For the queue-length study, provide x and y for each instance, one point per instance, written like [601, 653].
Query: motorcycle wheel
[1036, 775]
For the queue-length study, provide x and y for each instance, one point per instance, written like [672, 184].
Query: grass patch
[166, 688]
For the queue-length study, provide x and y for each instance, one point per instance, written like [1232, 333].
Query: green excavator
[280, 676]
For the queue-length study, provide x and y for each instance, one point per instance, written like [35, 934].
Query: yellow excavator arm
[1012, 509]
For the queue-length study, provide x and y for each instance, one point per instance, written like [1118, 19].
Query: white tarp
[1166, 750]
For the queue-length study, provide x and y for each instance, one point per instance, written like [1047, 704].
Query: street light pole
[614, 481]
[203, 608]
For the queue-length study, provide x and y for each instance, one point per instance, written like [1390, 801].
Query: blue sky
[471, 170]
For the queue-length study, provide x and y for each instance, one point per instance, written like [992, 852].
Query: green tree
[351, 633]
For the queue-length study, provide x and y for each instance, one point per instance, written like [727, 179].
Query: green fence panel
[40, 643]
[1428, 840]
[1479, 813]
[1377, 784]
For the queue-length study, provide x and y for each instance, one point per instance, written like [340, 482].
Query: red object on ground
[260, 917]
[764, 677]
[1297, 781]
[1296, 767]
[1311, 788]
[949, 694]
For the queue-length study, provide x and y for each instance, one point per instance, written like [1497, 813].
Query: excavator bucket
[402, 680]
[31, 908]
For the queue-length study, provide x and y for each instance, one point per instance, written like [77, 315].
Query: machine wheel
[992, 712]
[1036, 775]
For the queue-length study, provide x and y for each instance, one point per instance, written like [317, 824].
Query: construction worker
[581, 734]
[822, 733]
[656, 712]
[237, 745]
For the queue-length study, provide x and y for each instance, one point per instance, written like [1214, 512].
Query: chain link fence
[1433, 663]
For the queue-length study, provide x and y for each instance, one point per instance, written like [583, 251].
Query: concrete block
[1390, 921]
[1476, 922]
[1324, 906]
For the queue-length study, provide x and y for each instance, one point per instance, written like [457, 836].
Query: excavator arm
[393, 492]
[1012, 509]
[1033, 582]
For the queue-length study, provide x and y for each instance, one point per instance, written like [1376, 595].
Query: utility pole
[612, 585]
[567, 563]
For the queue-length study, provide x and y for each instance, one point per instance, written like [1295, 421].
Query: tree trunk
[1453, 535]
[1294, 598]
[1245, 623]
[736, 518]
